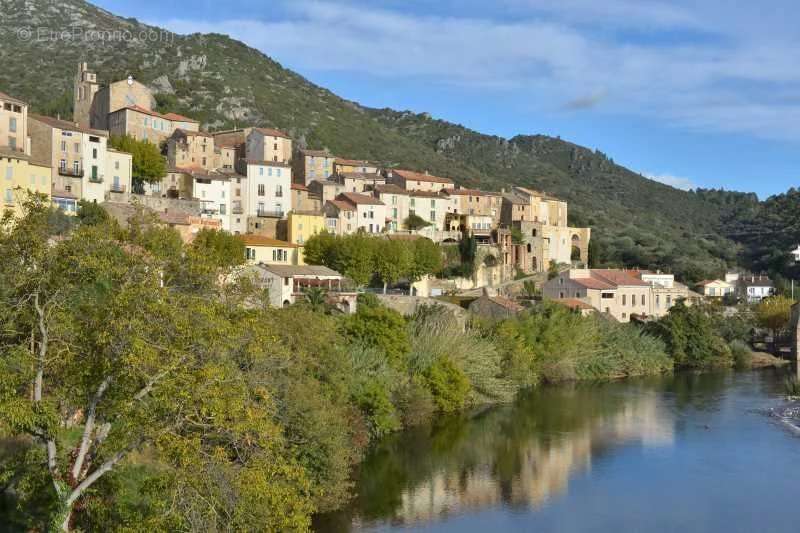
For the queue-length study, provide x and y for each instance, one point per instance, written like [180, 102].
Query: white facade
[430, 207]
[396, 209]
[269, 189]
[95, 158]
[119, 171]
[222, 198]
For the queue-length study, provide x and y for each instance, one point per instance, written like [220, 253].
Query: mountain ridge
[223, 82]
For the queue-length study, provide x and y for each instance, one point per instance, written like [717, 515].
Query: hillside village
[261, 185]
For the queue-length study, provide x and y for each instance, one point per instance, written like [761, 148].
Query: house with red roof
[354, 212]
[418, 181]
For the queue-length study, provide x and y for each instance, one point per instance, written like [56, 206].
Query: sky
[702, 93]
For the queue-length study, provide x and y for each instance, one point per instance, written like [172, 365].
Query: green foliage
[219, 247]
[448, 384]
[91, 213]
[381, 328]
[148, 164]
[691, 339]
[742, 354]
[414, 222]
[774, 313]
[360, 257]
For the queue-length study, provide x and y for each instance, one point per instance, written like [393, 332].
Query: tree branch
[88, 427]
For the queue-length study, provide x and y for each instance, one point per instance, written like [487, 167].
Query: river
[689, 452]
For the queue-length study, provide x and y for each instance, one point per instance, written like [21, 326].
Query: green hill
[222, 82]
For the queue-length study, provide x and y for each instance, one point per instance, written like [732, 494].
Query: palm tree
[316, 296]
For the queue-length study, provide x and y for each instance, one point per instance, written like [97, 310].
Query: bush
[448, 385]
[742, 354]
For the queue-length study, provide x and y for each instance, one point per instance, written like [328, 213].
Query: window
[116, 165]
[260, 171]
[251, 254]
[9, 173]
[607, 295]
[63, 146]
[261, 189]
[643, 299]
[77, 147]
[394, 213]
[624, 299]
[76, 167]
[12, 124]
[269, 171]
[433, 215]
[9, 196]
[669, 301]
[658, 301]
[222, 209]
[279, 191]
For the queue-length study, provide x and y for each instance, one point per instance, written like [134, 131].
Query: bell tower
[85, 88]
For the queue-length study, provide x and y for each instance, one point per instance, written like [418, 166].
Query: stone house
[418, 181]
[267, 144]
[310, 165]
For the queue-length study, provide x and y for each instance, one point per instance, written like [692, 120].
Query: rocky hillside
[223, 82]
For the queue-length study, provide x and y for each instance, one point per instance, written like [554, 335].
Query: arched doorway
[576, 253]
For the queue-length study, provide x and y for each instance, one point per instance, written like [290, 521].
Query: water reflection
[516, 456]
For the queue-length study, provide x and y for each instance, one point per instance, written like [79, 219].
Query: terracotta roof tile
[410, 175]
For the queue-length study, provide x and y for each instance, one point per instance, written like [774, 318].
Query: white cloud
[657, 60]
[678, 182]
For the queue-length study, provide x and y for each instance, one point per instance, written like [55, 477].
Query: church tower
[85, 88]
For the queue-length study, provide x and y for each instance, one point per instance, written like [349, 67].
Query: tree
[89, 334]
[148, 164]
[426, 260]
[392, 259]
[414, 222]
[690, 337]
[774, 314]
[92, 214]
[223, 249]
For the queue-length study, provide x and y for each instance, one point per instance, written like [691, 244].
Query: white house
[353, 212]
[287, 284]
[222, 197]
[269, 189]
[396, 201]
[430, 206]
[754, 288]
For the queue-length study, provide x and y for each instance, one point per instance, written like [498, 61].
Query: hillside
[223, 82]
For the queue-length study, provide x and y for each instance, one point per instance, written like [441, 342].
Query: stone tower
[86, 87]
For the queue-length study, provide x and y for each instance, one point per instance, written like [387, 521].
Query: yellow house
[302, 226]
[17, 175]
[269, 251]
[715, 288]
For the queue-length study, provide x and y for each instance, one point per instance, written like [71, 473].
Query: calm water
[684, 453]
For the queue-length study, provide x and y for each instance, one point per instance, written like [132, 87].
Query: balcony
[70, 172]
[95, 179]
[117, 188]
[237, 210]
[269, 214]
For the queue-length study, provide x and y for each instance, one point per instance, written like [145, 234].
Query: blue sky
[691, 93]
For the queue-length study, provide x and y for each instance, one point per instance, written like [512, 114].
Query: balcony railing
[70, 172]
[95, 179]
[269, 214]
[117, 188]
[237, 210]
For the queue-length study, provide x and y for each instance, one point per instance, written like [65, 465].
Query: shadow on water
[521, 456]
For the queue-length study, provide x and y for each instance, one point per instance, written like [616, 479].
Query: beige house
[396, 201]
[312, 165]
[353, 212]
[146, 125]
[354, 165]
[430, 206]
[193, 150]
[266, 144]
[83, 166]
[268, 251]
[618, 293]
[93, 103]
[326, 190]
[304, 200]
[417, 181]
[476, 202]
[13, 125]
[359, 182]
[715, 288]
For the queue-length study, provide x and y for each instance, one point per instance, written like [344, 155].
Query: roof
[711, 281]
[468, 192]
[267, 163]
[316, 153]
[65, 125]
[270, 132]
[759, 281]
[9, 98]
[260, 240]
[515, 199]
[618, 277]
[341, 205]
[506, 303]
[188, 133]
[592, 283]
[354, 162]
[425, 194]
[417, 176]
[6, 151]
[390, 188]
[359, 199]
[287, 271]
[361, 175]
[179, 118]
[573, 303]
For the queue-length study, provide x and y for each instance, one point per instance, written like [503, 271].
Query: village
[258, 184]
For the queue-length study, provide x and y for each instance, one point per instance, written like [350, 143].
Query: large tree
[149, 165]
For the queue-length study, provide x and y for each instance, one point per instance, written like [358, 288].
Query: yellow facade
[18, 175]
[303, 226]
[269, 251]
